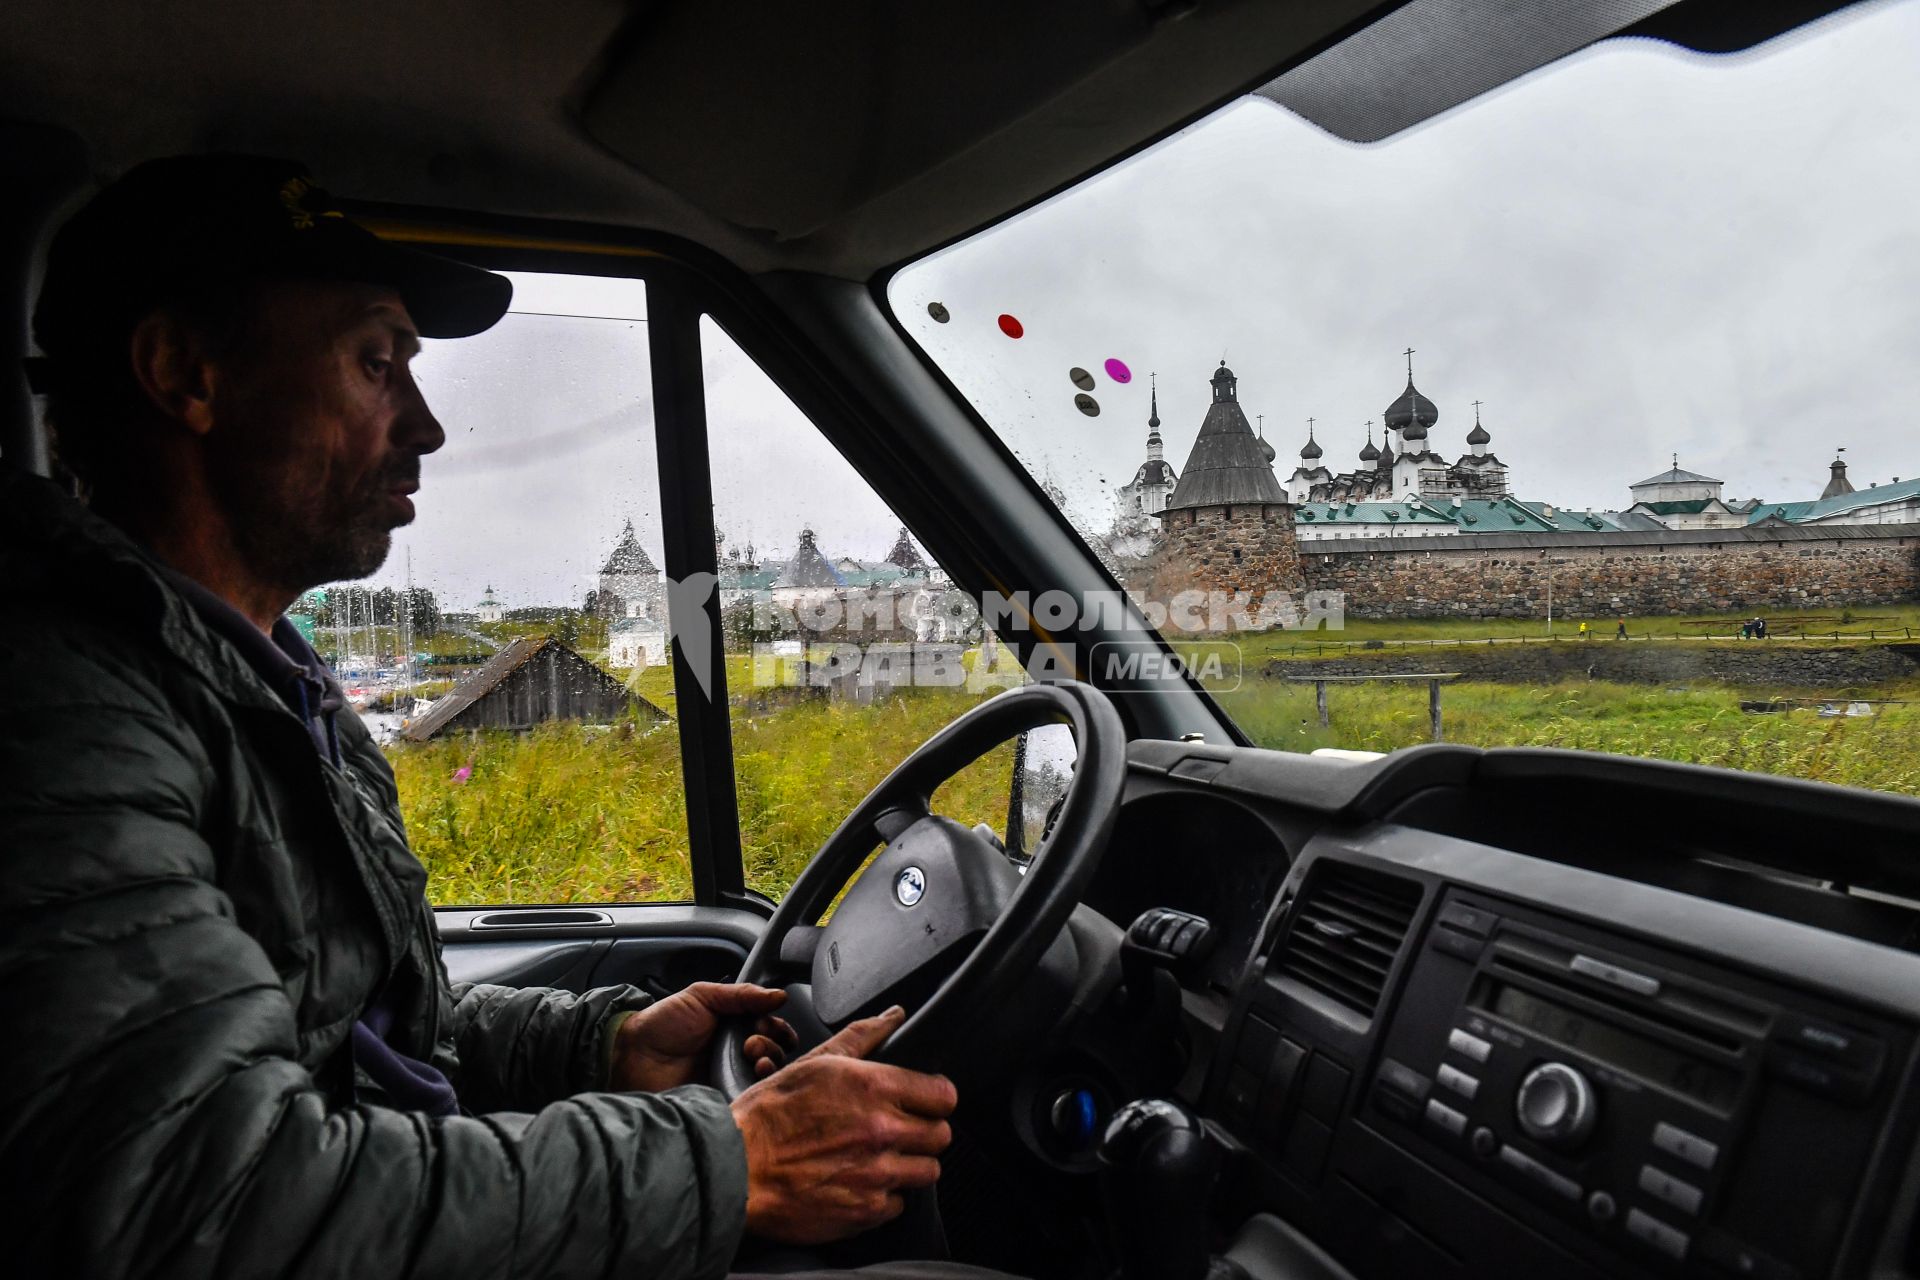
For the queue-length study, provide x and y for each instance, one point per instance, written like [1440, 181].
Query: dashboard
[1544, 1013]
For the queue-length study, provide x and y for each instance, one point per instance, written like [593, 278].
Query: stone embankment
[1759, 663]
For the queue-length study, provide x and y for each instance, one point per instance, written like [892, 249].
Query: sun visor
[895, 126]
[1430, 56]
[783, 117]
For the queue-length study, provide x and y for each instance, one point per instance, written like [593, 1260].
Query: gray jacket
[194, 909]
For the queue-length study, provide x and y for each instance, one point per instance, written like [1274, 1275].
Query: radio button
[1538, 1174]
[1445, 1117]
[1681, 1145]
[1468, 1045]
[1555, 1105]
[1683, 1196]
[1651, 1231]
[1457, 1081]
[1828, 1041]
[1613, 975]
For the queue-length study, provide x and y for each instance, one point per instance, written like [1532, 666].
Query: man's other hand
[833, 1140]
[662, 1046]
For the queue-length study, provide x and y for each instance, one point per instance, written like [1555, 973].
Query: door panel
[659, 949]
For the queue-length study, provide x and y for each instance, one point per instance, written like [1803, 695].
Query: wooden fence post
[1433, 706]
[1320, 700]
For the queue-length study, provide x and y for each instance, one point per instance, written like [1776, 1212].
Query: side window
[511, 652]
[847, 646]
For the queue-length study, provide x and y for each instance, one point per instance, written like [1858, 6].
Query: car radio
[1681, 1115]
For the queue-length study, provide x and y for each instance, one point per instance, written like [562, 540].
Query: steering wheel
[942, 907]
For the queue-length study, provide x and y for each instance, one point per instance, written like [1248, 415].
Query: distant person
[1620, 632]
[1585, 634]
[1760, 627]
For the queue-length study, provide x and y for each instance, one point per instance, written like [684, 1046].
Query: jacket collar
[52, 540]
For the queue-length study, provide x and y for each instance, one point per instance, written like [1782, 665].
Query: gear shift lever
[1157, 1171]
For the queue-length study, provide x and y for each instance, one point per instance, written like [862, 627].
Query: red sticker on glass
[1010, 327]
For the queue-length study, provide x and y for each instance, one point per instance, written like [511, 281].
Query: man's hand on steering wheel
[834, 1140]
[664, 1045]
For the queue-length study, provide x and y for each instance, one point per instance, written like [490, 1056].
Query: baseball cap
[169, 228]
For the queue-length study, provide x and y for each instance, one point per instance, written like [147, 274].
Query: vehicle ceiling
[839, 138]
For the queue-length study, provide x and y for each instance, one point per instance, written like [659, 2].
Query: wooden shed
[531, 681]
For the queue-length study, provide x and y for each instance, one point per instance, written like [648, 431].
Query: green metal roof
[1472, 515]
[1796, 512]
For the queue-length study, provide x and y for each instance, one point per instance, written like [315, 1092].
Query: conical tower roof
[809, 568]
[1227, 466]
[629, 556]
[905, 555]
[1837, 482]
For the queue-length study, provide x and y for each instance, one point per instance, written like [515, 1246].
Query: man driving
[234, 1047]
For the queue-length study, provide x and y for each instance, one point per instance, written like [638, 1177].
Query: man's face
[318, 431]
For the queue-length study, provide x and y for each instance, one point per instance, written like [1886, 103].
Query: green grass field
[572, 813]
[1701, 725]
[569, 813]
[1879, 623]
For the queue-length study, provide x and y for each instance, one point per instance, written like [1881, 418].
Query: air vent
[1346, 930]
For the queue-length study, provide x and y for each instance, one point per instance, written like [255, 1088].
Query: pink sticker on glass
[1118, 371]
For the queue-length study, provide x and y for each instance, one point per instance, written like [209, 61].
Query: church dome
[1412, 414]
[1311, 451]
[1370, 453]
[1478, 435]
[1267, 451]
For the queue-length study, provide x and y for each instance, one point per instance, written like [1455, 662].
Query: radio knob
[1555, 1105]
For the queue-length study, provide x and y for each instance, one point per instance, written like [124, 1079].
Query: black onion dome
[1370, 453]
[1311, 450]
[1478, 435]
[1412, 413]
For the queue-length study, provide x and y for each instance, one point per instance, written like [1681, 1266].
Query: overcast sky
[1632, 253]
[1635, 252]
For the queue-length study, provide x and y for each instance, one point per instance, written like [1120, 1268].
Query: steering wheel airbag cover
[936, 888]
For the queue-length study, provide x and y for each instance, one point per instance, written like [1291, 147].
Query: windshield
[1575, 416]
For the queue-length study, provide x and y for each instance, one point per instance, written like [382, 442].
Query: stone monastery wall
[1487, 576]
